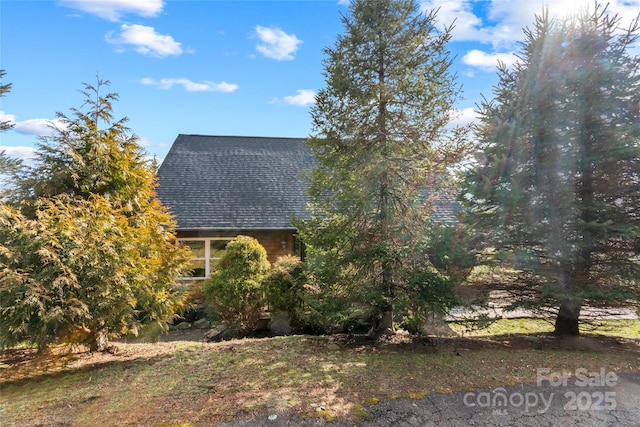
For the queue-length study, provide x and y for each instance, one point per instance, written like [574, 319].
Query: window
[206, 255]
[198, 262]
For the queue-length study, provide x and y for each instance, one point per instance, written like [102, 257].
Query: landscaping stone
[230, 334]
[215, 333]
[279, 324]
[220, 332]
[201, 324]
[436, 325]
[183, 325]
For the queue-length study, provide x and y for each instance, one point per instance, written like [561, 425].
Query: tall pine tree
[558, 189]
[381, 138]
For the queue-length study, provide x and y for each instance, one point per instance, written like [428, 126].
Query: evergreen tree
[558, 188]
[381, 138]
[8, 165]
[4, 89]
[83, 159]
[91, 253]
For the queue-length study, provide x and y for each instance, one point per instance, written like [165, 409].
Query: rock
[220, 332]
[229, 334]
[215, 333]
[279, 324]
[436, 325]
[263, 323]
[201, 323]
[333, 346]
[183, 325]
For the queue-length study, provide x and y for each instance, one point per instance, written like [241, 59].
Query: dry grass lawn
[183, 381]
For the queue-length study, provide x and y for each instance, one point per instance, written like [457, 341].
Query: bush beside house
[234, 291]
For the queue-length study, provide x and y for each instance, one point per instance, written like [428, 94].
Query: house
[219, 187]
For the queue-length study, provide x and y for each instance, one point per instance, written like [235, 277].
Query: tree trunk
[567, 323]
[385, 327]
[99, 341]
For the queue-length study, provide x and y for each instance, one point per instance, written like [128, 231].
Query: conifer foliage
[381, 138]
[87, 251]
[558, 187]
[4, 88]
[7, 164]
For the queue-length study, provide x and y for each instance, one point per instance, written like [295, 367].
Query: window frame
[207, 254]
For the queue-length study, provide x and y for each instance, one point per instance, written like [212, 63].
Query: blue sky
[217, 67]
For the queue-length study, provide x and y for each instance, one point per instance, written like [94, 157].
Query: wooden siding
[276, 242]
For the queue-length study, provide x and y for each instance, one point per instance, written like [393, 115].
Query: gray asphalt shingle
[244, 183]
[233, 182]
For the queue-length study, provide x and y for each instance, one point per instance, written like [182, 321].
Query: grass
[619, 328]
[188, 382]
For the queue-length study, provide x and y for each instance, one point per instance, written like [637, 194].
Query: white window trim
[207, 253]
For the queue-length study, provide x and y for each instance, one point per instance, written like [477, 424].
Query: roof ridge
[241, 136]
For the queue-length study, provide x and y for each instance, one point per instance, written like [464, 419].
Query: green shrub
[284, 287]
[432, 294]
[448, 249]
[234, 291]
[311, 306]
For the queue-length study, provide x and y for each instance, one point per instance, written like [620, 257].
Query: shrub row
[245, 285]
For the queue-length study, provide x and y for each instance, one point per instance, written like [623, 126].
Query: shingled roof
[244, 183]
[235, 182]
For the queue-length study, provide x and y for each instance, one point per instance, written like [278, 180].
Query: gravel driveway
[583, 399]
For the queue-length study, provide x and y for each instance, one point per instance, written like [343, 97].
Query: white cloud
[146, 142]
[461, 11]
[40, 127]
[344, 2]
[276, 44]
[487, 61]
[113, 10]
[18, 152]
[505, 19]
[190, 86]
[463, 117]
[303, 98]
[37, 127]
[4, 117]
[502, 27]
[146, 40]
